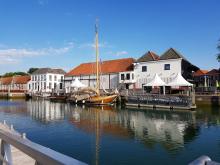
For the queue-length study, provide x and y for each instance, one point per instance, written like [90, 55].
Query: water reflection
[169, 130]
[150, 127]
[46, 111]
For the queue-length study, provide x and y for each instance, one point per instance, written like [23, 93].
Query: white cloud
[15, 55]
[92, 45]
[120, 53]
[8, 60]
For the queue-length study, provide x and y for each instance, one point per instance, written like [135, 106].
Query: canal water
[109, 135]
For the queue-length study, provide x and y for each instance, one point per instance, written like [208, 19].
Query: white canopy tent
[179, 81]
[77, 84]
[156, 81]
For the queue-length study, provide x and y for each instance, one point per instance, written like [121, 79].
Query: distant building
[109, 73]
[47, 80]
[214, 77]
[14, 84]
[167, 66]
[200, 78]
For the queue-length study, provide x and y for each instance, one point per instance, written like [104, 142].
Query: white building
[109, 73]
[167, 66]
[47, 80]
[14, 84]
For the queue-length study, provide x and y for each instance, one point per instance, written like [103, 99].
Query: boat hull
[102, 100]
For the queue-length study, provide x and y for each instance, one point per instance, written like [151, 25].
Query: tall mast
[97, 57]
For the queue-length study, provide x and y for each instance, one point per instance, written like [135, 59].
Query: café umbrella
[179, 81]
[156, 81]
[77, 84]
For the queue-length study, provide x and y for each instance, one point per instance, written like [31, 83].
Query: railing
[41, 154]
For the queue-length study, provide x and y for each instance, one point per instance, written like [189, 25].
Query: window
[44, 85]
[45, 78]
[122, 77]
[132, 76]
[128, 76]
[144, 68]
[50, 77]
[55, 78]
[167, 67]
[41, 77]
[61, 78]
[61, 86]
[50, 85]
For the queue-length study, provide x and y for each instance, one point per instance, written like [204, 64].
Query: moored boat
[102, 100]
[99, 99]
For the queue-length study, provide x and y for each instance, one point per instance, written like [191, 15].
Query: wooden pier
[16, 149]
[156, 101]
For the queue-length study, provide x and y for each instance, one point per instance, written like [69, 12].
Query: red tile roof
[213, 72]
[21, 79]
[16, 80]
[200, 72]
[111, 66]
[6, 80]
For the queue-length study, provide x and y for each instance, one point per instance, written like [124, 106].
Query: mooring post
[23, 135]
[6, 153]
[11, 127]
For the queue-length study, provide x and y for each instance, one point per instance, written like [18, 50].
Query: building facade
[109, 73]
[47, 80]
[167, 66]
[200, 78]
[14, 84]
[205, 78]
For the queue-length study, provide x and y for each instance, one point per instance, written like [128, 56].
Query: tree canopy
[9, 74]
[31, 70]
[218, 55]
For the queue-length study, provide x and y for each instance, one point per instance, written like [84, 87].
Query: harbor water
[113, 135]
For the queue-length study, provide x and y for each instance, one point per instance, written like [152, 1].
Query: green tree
[9, 74]
[31, 70]
[218, 55]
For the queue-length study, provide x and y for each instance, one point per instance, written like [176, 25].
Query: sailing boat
[99, 99]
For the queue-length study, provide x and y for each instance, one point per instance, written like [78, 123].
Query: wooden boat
[97, 98]
[58, 98]
[102, 100]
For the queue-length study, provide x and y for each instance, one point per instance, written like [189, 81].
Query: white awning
[156, 81]
[77, 84]
[179, 81]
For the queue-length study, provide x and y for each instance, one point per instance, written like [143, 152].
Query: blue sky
[60, 33]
